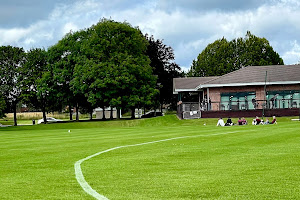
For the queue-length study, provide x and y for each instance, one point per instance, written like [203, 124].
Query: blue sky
[188, 26]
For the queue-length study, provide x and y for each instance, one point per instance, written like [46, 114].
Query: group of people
[243, 121]
[258, 121]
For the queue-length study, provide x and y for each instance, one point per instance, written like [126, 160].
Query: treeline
[109, 64]
[223, 56]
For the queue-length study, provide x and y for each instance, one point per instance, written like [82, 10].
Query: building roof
[251, 75]
[189, 83]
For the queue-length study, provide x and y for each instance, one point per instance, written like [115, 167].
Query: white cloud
[69, 27]
[293, 55]
[47, 32]
[12, 35]
[187, 30]
[29, 41]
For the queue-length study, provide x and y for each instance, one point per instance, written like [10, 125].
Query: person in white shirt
[220, 122]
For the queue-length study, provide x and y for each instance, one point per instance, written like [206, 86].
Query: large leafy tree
[224, 56]
[37, 82]
[258, 51]
[115, 70]
[63, 57]
[12, 60]
[163, 65]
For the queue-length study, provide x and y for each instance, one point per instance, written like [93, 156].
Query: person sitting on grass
[274, 120]
[240, 121]
[267, 121]
[244, 121]
[229, 122]
[220, 122]
[256, 121]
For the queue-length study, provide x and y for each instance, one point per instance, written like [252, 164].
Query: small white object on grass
[204, 124]
[69, 131]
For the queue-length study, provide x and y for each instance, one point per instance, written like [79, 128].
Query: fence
[37, 115]
[257, 104]
[189, 110]
[192, 110]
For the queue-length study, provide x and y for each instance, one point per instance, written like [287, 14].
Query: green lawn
[239, 162]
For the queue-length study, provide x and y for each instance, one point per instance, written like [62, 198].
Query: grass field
[200, 162]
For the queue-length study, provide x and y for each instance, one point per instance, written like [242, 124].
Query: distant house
[254, 89]
[107, 113]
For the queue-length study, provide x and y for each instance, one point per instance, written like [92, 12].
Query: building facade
[248, 90]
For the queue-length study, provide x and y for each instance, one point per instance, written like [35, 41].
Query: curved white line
[88, 189]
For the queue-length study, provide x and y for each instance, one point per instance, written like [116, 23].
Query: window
[238, 101]
[283, 99]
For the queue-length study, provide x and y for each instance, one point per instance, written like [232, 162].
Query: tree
[36, 81]
[80, 84]
[163, 65]
[63, 57]
[115, 70]
[12, 60]
[259, 52]
[214, 60]
[222, 56]
[2, 106]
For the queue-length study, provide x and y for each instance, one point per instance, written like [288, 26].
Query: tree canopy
[12, 60]
[224, 56]
[162, 62]
[116, 71]
[105, 65]
[63, 57]
[37, 82]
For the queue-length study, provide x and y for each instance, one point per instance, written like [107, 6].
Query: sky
[188, 26]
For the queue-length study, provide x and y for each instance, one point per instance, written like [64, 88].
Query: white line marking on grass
[88, 189]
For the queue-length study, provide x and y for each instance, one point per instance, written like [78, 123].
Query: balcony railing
[193, 109]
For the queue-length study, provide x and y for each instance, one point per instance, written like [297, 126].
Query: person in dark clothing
[258, 121]
[274, 120]
[240, 121]
[229, 122]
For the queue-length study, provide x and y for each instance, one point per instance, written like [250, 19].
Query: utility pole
[265, 96]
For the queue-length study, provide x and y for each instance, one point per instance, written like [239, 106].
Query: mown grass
[249, 162]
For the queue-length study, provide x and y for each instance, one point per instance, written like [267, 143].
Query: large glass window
[224, 103]
[238, 101]
[296, 100]
[283, 99]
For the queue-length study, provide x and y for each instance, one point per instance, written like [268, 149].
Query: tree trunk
[70, 112]
[103, 113]
[111, 113]
[15, 114]
[44, 114]
[132, 113]
[91, 114]
[77, 112]
[90, 110]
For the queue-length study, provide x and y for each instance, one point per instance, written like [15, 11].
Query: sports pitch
[159, 158]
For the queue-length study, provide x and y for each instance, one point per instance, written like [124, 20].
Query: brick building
[247, 91]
